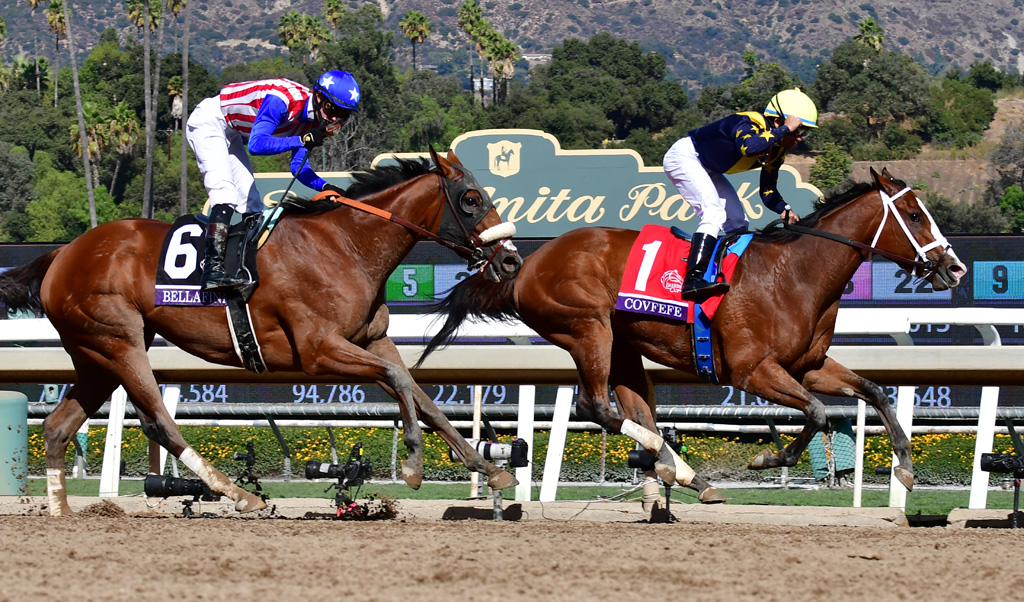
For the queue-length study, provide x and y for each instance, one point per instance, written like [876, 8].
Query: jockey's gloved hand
[335, 189]
[314, 138]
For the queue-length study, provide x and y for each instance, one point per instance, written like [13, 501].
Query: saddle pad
[654, 275]
[655, 270]
[180, 267]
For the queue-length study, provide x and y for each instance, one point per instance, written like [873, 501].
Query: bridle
[920, 266]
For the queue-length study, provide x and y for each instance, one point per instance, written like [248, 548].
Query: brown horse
[771, 333]
[319, 309]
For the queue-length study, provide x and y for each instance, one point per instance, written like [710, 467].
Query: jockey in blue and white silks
[264, 117]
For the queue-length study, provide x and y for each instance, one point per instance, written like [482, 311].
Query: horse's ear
[442, 164]
[876, 177]
[453, 158]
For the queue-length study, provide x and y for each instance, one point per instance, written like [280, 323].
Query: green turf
[923, 501]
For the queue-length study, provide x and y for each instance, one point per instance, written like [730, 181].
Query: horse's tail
[19, 287]
[474, 296]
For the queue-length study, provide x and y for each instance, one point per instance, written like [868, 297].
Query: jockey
[737, 143]
[265, 117]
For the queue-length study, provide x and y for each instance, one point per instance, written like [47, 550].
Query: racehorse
[319, 309]
[771, 333]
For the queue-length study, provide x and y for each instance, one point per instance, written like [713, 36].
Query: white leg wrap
[55, 492]
[684, 474]
[196, 464]
[652, 442]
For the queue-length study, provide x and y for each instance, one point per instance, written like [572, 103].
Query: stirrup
[703, 290]
[222, 282]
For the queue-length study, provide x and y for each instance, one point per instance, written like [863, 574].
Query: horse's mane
[383, 177]
[821, 207]
[364, 184]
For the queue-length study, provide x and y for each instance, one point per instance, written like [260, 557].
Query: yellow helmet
[793, 102]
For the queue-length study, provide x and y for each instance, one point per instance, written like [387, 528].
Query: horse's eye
[471, 202]
[914, 216]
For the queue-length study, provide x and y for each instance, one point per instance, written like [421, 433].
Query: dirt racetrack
[107, 553]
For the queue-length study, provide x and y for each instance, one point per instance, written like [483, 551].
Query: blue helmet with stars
[337, 93]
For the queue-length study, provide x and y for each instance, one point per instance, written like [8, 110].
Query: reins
[925, 265]
[899, 259]
[460, 249]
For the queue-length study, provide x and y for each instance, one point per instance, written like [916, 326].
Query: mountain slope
[702, 38]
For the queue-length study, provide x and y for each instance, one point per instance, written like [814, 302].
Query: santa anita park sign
[545, 190]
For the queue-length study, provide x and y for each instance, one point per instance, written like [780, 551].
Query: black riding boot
[214, 276]
[694, 285]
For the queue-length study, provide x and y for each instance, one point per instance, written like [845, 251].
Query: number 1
[650, 252]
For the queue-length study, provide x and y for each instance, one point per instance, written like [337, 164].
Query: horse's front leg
[432, 416]
[340, 357]
[770, 381]
[835, 379]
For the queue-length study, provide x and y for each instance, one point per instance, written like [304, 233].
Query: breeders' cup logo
[503, 157]
[671, 281]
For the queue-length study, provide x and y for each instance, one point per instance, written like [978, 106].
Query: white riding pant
[223, 159]
[710, 194]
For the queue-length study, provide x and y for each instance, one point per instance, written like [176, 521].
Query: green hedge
[941, 459]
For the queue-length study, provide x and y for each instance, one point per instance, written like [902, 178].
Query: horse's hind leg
[124, 359]
[835, 379]
[594, 355]
[632, 392]
[81, 401]
[157, 424]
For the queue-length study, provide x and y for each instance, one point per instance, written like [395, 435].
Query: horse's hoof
[412, 477]
[60, 510]
[711, 495]
[762, 461]
[249, 503]
[904, 476]
[502, 480]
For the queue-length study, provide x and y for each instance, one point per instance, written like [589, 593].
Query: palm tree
[81, 115]
[334, 10]
[96, 136]
[35, 44]
[122, 132]
[314, 32]
[58, 25]
[470, 15]
[175, 7]
[290, 31]
[184, 111]
[415, 26]
[502, 55]
[870, 34]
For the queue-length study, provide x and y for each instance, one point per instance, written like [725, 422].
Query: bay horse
[771, 333]
[319, 309]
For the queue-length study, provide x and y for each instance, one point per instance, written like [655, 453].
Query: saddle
[179, 271]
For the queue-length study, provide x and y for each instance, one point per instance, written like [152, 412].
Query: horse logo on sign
[503, 157]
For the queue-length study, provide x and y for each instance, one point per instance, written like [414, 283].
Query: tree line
[114, 148]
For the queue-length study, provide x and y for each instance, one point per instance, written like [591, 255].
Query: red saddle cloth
[654, 276]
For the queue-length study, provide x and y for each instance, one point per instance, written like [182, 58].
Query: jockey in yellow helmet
[740, 142]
